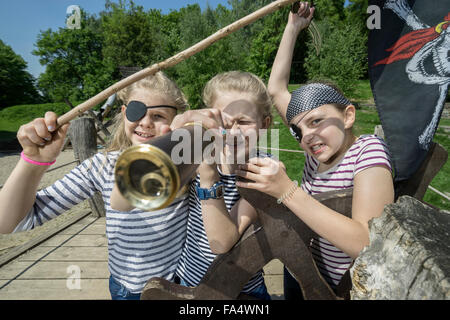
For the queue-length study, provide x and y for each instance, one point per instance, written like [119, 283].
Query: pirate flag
[409, 70]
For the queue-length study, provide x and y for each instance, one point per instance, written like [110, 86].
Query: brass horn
[149, 178]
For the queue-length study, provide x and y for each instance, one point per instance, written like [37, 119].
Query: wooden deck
[49, 270]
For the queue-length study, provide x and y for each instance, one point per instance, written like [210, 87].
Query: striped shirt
[197, 256]
[141, 245]
[367, 151]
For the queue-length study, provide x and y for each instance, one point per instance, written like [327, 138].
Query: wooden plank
[52, 289]
[56, 270]
[12, 269]
[76, 227]
[56, 240]
[80, 240]
[42, 237]
[95, 229]
[67, 254]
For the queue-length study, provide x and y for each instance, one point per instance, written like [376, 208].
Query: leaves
[81, 63]
[16, 84]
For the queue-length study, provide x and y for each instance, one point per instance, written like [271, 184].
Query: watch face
[219, 192]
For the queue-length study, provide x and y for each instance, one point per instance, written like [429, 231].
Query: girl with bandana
[321, 119]
[141, 244]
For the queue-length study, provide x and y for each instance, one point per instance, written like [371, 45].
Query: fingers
[50, 119]
[41, 131]
[250, 167]
[34, 133]
[249, 185]
[248, 175]
[210, 118]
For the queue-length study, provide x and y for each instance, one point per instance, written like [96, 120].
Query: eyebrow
[309, 116]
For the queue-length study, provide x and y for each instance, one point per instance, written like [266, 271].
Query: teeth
[143, 134]
[316, 147]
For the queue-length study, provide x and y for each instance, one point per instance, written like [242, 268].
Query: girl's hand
[39, 139]
[210, 118]
[302, 18]
[266, 175]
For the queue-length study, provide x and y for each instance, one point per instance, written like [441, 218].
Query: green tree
[330, 10]
[343, 56]
[133, 37]
[16, 84]
[356, 13]
[75, 67]
[193, 73]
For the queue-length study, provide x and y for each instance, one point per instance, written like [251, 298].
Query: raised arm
[41, 144]
[279, 77]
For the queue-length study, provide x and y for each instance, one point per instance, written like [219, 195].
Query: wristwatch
[215, 192]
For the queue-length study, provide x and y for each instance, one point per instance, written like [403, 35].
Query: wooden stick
[183, 55]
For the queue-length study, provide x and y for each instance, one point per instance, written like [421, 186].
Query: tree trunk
[408, 256]
[83, 136]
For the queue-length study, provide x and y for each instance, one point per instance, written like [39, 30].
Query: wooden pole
[170, 62]
[83, 136]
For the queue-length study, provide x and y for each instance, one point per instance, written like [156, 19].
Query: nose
[146, 121]
[307, 135]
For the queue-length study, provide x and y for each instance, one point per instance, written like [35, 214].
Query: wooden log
[83, 135]
[408, 256]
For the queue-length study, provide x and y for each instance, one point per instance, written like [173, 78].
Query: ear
[122, 109]
[349, 116]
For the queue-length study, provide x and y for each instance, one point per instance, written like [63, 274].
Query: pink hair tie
[22, 155]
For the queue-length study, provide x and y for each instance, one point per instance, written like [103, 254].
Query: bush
[342, 58]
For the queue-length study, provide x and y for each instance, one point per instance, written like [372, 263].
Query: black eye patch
[296, 132]
[136, 110]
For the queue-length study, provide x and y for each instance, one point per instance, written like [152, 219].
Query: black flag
[409, 68]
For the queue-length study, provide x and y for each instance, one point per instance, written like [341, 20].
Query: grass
[12, 118]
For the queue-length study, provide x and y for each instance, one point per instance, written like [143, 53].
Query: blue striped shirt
[197, 256]
[141, 244]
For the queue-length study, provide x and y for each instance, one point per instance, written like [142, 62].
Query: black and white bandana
[312, 96]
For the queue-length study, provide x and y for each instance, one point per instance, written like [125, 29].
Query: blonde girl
[141, 244]
[216, 223]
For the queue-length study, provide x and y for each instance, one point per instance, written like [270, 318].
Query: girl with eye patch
[321, 119]
[141, 244]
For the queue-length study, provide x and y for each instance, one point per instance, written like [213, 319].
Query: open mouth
[317, 148]
[144, 135]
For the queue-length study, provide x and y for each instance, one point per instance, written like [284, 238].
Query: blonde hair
[158, 83]
[239, 81]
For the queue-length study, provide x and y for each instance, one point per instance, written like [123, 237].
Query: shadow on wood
[279, 234]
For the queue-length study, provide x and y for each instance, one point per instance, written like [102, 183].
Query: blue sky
[22, 20]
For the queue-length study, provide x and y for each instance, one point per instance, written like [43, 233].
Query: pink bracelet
[22, 155]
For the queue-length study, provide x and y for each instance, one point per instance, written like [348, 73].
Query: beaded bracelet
[289, 193]
[22, 155]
